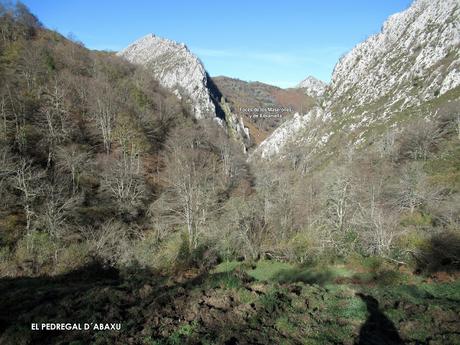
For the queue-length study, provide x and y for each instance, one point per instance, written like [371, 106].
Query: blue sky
[276, 42]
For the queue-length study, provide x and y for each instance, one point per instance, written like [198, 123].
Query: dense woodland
[99, 163]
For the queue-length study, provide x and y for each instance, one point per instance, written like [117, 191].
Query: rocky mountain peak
[312, 86]
[176, 68]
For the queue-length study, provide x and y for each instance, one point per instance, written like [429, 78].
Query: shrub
[440, 252]
[370, 264]
[389, 277]
[205, 256]
[35, 253]
[110, 243]
[303, 247]
[72, 257]
[417, 219]
[144, 250]
[410, 244]
[10, 228]
[5, 264]
[173, 251]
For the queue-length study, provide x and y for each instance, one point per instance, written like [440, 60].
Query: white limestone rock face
[236, 125]
[176, 68]
[413, 59]
[289, 132]
[312, 86]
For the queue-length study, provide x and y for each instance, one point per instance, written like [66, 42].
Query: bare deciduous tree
[412, 188]
[4, 119]
[56, 119]
[244, 229]
[109, 242]
[72, 159]
[338, 201]
[27, 182]
[104, 112]
[123, 182]
[420, 138]
[192, 186]
[56, 210]
[376, 222]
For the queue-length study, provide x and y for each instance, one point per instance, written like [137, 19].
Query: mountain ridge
[175, 67]
[413, 45]
[413, 60]
[179, 70]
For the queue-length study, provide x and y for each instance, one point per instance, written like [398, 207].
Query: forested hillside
[97, 157]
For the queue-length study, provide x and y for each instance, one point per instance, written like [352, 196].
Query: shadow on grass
[153, 309]
[383, 277]
[303, 275]
[378, 329]
[93, 293]
[441, 253]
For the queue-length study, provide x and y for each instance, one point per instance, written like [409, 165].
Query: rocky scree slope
[179, 70]
[393, 75]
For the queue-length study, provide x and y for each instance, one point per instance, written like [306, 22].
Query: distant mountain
[179, 70]
[243, 96]
[410, 69]
[221, 98]
[312, 86]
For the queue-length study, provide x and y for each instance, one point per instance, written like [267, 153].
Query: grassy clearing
[226, 266]
[283, 272]
[269, 270]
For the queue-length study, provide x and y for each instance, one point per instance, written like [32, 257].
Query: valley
[136, 189]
